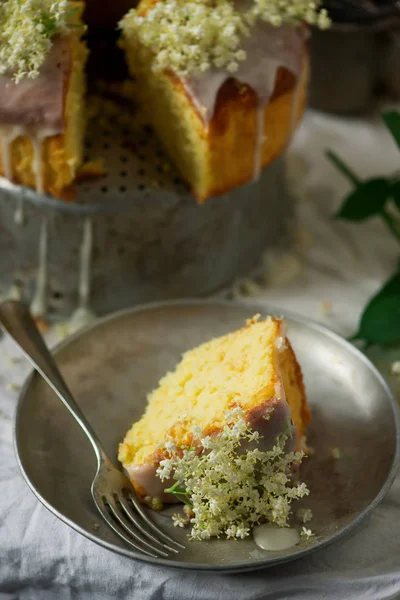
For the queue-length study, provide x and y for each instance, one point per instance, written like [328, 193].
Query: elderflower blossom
[191, 35]
[195, 35]
[26, 31]
[179, 521]
[229, 483]
[307, 533]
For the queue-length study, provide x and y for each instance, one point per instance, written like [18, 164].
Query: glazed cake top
[187, 36]
[191, 37]
[27, 30]
[38, 101]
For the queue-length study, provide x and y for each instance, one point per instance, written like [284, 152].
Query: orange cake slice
[253, 368]
[222, 129]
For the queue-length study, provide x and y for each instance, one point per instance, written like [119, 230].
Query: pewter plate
[111, 367]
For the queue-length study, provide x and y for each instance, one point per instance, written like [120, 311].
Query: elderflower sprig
[229, 484]
[194, 35]
[26, 31]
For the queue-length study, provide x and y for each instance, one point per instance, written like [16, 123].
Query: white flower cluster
[232, 485]
[26, 31]
[194, 35]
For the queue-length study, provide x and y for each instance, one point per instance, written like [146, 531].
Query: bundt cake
[42, 118]
[253, 368]
[223, 83]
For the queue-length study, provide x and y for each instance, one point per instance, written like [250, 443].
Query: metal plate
[111, 367]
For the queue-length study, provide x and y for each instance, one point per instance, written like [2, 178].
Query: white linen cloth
[333, 263]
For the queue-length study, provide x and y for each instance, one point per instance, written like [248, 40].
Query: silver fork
[111, 490]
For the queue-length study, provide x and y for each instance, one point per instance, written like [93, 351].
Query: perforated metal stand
[151, 240]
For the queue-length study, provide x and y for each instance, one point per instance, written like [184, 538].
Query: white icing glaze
[280, 343]
[145, 476]
[37, 136]
[39, 302]
[19, 214]
[269, 537]
[8, 133]
[83, 315]
[268, 48]
[34, 108]
[38, 102]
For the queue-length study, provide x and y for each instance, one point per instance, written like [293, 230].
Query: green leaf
[392, 121]
[380, 322]
[366, 200]
[390, 288]
[395, 192]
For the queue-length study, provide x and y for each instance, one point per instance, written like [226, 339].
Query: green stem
[347, 172]
[391, 224]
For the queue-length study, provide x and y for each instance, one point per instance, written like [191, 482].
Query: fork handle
[17, 321]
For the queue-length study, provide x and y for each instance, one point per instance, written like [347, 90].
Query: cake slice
[42, 119]
[222, 129]
[253, 368]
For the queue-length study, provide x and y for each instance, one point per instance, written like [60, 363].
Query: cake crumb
[12, 360]
[95, 526]
[62, 330]
[335, 453]
[93, 169]
[13, 387]
[395, 368]
[326, 308]
[153, 503]
[253, 320]
[250, 288]
[42, 324]
[188, 511]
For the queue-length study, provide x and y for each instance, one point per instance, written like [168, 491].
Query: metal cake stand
[136, 234]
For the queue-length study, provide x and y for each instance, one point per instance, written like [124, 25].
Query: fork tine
[135, 518]
[106, 516]
[112, 505]
[150, 523]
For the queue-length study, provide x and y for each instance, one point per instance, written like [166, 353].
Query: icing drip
[269, 537]
[295, 107]
[83, 315]
[259, 141]
[268, 49]
[37, 163]
[19, 214]
[37, 136]
[262, 103]
[8, 133]
[39, 302]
